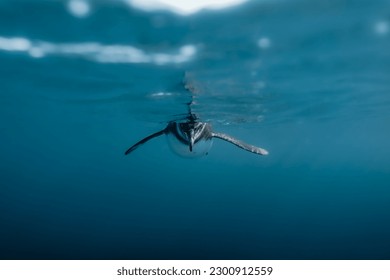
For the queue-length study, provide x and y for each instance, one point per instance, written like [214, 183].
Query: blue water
[307, 80]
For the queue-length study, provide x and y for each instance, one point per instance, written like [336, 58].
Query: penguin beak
[191, 139]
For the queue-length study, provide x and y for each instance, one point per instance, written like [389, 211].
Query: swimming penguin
[191, 137]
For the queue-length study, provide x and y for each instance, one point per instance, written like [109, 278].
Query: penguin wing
[143, 141]
[242, 145]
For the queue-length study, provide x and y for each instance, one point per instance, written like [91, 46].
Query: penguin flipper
[240, 144]
[143, 141]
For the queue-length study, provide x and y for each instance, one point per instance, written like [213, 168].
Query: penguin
[190, 137]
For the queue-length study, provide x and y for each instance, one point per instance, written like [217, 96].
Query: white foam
[78, 8]
[183, 7]
[97, 52]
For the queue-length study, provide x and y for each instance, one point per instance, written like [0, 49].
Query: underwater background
[309, 81]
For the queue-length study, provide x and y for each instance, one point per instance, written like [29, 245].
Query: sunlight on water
[96, 51]
[382, 27]
[264, 43]
[79, 8]
[184, 7]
